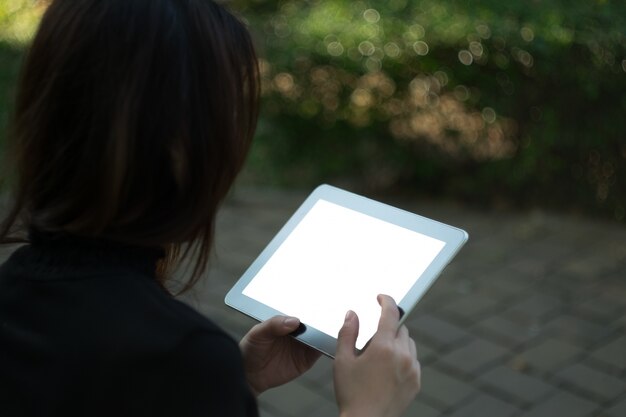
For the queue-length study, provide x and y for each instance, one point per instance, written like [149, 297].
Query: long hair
[132, 120]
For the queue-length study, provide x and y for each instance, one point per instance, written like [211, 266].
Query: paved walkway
[529, 320]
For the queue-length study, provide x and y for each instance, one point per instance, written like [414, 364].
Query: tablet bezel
[453, 237]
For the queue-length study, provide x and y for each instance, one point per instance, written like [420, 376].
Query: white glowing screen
[337, 259]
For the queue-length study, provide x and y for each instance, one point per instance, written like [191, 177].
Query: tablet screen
[338, 259]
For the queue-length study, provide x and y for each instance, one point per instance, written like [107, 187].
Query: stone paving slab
[618, 410]
[550, 355]
[443, 390]
[594, 381]
[613, 353]
[485, 405]
[563, 404]
[475, 355]
[417, 408]
[504, 331]
[528, 321]
[515, 386]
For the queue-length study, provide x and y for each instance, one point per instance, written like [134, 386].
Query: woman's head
[132, 120]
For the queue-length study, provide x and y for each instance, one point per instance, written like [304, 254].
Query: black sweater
[85, 330]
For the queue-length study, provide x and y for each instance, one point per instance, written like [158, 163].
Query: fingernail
[291, 322]
[349, 315]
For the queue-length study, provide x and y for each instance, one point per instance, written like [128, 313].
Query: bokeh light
[528, 97]
[19, 20]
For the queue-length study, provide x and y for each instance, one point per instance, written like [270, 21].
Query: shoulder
[164, 320]
[112, 313]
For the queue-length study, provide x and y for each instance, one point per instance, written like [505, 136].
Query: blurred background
[501, 104]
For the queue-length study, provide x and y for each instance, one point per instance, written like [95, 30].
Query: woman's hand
[272, 357]
[385, 377]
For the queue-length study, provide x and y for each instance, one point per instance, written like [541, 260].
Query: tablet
[336, 253]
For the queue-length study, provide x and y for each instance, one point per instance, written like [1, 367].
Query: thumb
[348, 334]
[275, 327]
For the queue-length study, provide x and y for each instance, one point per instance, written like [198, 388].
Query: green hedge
[10, 58]
[516, 102]
[18, 19]
[521, 102]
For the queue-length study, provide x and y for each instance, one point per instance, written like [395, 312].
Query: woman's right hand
[385, 377]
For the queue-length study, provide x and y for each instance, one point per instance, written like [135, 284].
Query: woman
[131, 122]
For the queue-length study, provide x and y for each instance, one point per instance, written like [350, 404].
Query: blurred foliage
[9, 65]
[516, 102]
[18, 21]
[520, 102]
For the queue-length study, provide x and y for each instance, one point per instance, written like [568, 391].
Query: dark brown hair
[132, 120]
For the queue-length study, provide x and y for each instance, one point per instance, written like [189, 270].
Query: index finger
[389, 315]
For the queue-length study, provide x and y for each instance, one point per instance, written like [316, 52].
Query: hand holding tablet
[384, 378]
[337, 253]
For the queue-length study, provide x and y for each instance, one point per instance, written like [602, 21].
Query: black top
[85, 330]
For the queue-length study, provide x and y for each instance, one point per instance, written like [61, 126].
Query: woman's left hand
[272, 357]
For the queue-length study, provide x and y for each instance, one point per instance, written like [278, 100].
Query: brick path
[529, 320]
